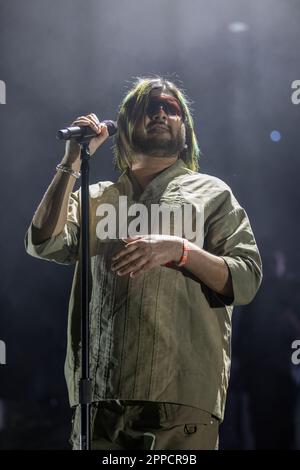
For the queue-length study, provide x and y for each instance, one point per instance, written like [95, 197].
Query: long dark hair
[132, 109]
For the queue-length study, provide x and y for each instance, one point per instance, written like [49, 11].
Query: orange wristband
[185, 250]
[184, 256]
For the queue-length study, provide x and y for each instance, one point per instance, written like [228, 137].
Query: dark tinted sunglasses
[169, 104]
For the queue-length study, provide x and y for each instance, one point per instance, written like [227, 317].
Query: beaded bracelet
[67, 169]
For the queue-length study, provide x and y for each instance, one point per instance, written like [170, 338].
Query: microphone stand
[85, 390]
[85, 384]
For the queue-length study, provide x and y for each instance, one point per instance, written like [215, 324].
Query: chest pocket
[188, 219]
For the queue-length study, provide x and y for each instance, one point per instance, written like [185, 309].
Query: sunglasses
[169, 104]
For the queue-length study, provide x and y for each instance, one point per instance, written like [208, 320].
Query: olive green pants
[119, 424]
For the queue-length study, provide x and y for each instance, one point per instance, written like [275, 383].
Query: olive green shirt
[164, 335]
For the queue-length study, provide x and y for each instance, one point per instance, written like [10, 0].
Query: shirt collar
[156, 187]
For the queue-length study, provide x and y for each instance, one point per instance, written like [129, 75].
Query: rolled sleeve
[231, 237]
[246, 276]
[62, 248]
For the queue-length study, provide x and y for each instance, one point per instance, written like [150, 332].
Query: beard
[158, 145]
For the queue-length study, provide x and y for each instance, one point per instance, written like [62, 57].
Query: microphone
[84, 133]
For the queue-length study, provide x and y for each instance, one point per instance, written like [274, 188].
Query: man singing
[161, 301]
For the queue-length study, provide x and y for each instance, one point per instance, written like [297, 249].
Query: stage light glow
[238, 27]
[275, 136]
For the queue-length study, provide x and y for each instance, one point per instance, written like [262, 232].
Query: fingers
[90, 120]
[134, 265]
[129, 240]
[100, 129]
[129, 248]
[124, 257]
[133, 257]
[94, 118]
[145, 267]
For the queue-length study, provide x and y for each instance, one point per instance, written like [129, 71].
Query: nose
[160, 114]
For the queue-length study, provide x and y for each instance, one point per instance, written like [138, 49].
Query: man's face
[161, 131]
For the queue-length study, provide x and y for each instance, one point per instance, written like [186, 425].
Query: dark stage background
[237, 60]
